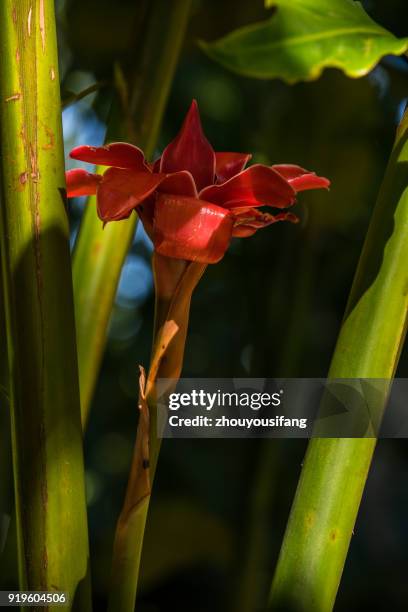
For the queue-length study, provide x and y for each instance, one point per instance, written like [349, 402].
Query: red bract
[191, 200]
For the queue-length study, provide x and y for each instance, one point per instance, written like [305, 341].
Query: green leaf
[335, 470]
[303, 37]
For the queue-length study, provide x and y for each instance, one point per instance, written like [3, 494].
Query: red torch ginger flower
[192, 200]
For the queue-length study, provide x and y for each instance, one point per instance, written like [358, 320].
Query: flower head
[191, 200]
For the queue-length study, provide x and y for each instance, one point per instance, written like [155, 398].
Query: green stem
[325, 508]
[72, 98]
[45, 409]
[175, 282]
[99, 254]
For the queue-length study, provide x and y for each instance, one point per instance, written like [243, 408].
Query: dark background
[271, 307]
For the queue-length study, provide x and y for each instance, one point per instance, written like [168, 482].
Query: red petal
[146, 214]
[191, 151]
[249, 215]
[310, 181]
[229, 164]
[248, 227]
[257, 186]
[156, 165]
[188, 228]
[120, 191]
[80, 182]
[301, 179]
[178, 183]
[118, 154]
[289, 171]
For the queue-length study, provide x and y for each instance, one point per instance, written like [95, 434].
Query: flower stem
[44, 390]
[99, 253]
[333, 477]
[175, 281]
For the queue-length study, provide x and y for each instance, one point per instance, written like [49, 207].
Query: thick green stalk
[99, 254]
[45, 409]
[335, 470]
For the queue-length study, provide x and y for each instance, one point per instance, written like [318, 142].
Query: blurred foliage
[302, 37]
[272, 307]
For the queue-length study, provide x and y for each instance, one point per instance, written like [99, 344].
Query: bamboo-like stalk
[45, 409]
[175, 282]
[99, 253]
[333, 477]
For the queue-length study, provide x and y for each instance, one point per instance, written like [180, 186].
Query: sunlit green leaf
[302, 37]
